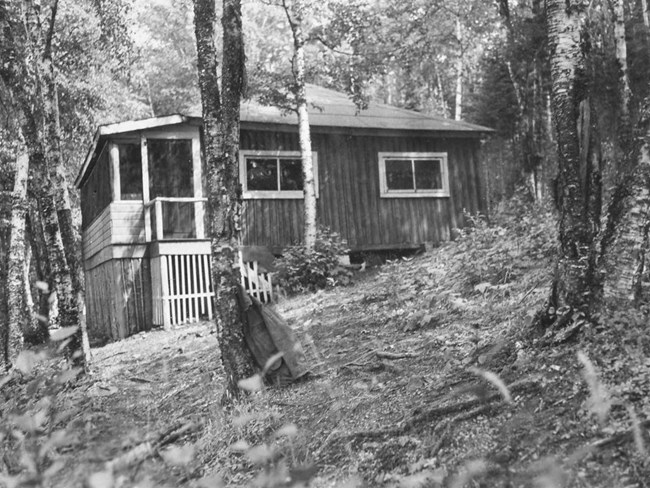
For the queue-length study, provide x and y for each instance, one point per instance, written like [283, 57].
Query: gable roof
[330, 108]
[327, 108]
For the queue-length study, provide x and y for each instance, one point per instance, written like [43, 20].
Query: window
[130, 171]
[170, 168]
[413, 175]
[273, 174]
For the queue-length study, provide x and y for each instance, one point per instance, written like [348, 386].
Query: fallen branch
[393, 355]
[620, 437]
[147, 449]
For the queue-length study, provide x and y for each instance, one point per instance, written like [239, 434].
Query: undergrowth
[303, 270]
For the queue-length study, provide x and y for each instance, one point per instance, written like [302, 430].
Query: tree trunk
[458, 106]
[295, 18]
[18, 320]
[42, 268]
[32, 78]
[621, 57]
[579, 185]
[221, 142]
[5, 233]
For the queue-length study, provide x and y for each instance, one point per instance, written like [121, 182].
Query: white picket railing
[182, 289]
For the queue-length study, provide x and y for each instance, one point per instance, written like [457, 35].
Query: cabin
[386, 178]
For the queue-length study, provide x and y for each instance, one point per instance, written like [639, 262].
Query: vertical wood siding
[349, 189]
[118, 299]
[96, 191]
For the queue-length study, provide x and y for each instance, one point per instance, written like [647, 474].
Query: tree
[579, 185]
[221, 142]
[16, 284]
[31, 77]
[295, 13]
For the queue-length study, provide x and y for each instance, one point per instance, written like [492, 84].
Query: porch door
[170, 175]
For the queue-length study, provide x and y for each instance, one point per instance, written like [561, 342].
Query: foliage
[498, 251]
[301, 270]
[39, 427]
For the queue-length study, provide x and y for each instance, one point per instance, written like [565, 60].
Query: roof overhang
[104, 131]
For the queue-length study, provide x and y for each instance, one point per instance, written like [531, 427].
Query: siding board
[349, 201]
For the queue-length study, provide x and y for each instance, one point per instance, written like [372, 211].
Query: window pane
[130, 171]
[262, 174]
[428, 174]
[399, 174]
[291, 175]
[170, 168]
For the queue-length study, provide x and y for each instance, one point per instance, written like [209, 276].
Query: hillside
[427, 373]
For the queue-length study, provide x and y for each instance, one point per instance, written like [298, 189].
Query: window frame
[272, 194]
[385, 192]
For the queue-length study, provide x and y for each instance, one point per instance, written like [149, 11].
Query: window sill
[440, 194]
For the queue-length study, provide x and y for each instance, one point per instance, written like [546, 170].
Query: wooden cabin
[387, 178]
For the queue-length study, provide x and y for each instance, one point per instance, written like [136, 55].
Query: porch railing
[174, 218]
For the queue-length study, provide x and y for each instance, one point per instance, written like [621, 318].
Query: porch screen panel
[170, 175]
[130, 171]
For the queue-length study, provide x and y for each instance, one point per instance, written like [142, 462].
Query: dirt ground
[421, 379]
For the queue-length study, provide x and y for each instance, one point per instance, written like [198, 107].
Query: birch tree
[30, 75]
[579, 187]
[221, 143]
[17, 318]
[295, 12]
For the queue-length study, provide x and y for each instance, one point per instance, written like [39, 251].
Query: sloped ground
[427, 374]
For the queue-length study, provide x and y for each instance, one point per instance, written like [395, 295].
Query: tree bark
[621, 57]
[295, 15]
[579, 181]
[221, 143]
[625, 244]
[32, 79]
[18, 319]
[458, 106]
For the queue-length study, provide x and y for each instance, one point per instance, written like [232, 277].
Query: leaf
[270, 362]
[101, 479]
[53, 469]
[68, 375]
[287, 430]
[240, 446]
[26, 361]
[63, 333]
[43, 286]
[495, 380]
[252, 384]
[598, 402]
[178, 455]
[482, 287]
[259, 454]
[30, 423]
[211, 481]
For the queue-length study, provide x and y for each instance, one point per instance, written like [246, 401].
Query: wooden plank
[197, 172]
[207, 274]
[180, 274]
[145, 186]
[165, 292]
[195, 289]
[114, 171]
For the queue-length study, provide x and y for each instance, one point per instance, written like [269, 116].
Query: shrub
[301, 270]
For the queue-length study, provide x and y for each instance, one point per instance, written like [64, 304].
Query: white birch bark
[295, 18]
[18, 320]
